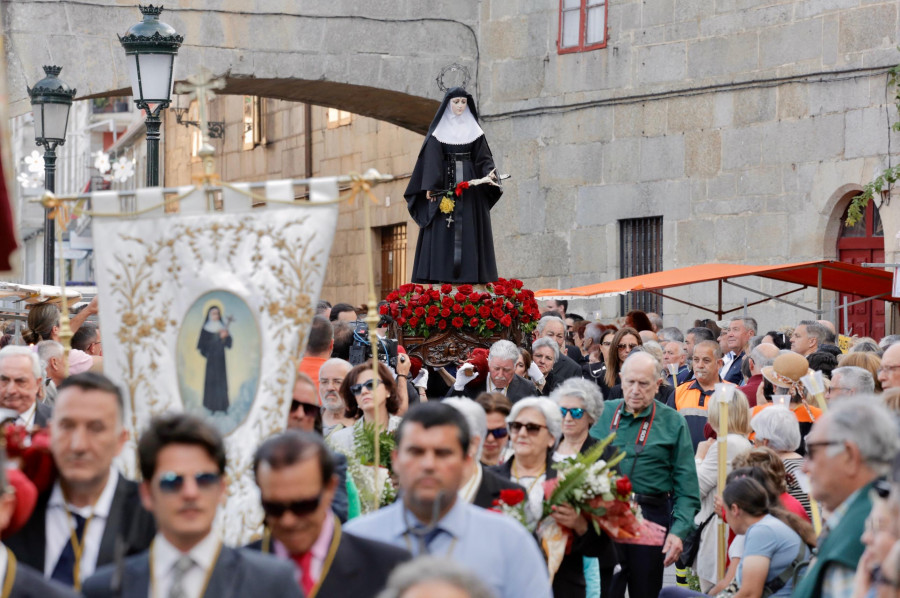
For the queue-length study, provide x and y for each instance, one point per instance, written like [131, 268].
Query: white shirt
[726, 363]
[26, 418]
[164, 556]
[491, 387]
[59, 529]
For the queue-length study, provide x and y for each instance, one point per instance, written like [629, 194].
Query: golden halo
[209, 305]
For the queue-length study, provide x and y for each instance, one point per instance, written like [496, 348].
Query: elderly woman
[535, 426]
[776, 427]
[707, 476]
[544, 355]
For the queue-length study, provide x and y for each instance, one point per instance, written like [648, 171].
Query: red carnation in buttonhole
[470, 310]
[512, 497]
[458, 322]
[623, 486]
[446, 288]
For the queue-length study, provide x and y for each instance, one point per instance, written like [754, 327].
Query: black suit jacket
[491, 485]
[127, 520]
[29, 583]
[360, 567]
[42, 414]
[519, 388]
[563, 369]
[236, 574]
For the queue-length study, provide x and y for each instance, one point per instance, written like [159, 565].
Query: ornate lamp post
[150, 49]
[50, 101]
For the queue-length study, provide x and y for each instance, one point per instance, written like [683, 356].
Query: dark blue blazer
[734, 374]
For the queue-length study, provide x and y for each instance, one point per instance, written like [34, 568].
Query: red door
[862, 243]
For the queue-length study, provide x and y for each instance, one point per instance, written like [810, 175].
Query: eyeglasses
[516, 427]
[882, 488]
[498, 433]
[812, 446]
[357, 389]
[308, 410]
[171, 482]
[629, 346]
[297, 507]
[888, 368]
[576, 412]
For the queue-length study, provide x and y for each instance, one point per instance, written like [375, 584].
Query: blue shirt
[493, 546]
[773, 539]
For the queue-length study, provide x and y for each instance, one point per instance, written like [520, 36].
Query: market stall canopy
[850, 279]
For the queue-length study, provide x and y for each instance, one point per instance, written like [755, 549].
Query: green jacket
[842, 546]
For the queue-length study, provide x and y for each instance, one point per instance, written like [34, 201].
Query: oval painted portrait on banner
[218, 359]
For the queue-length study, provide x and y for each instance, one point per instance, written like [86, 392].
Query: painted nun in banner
[456, 244]
[214, 339]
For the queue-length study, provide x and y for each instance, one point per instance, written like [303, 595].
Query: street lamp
[150, 49]
[50, 101]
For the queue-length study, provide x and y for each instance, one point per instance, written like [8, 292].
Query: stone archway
[382, 65]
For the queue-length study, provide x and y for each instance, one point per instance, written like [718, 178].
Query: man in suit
[295, 475]
[481, 486]
[21, 384]
[501, 376]
[182, 461]
[737, 338]
[89, 495]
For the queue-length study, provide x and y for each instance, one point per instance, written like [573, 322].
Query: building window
[582, 25]
[253, 122]
[640, 252]
[393, 257]
[338, 118]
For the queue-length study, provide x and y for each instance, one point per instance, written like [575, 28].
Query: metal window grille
[393, 257]
[640, 252]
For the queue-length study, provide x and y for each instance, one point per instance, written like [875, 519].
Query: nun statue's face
[214, 313]
[458, 105]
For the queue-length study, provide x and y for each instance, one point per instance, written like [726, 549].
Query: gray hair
[430, 568]
[682, 348]
[546, 341]
[337, 361]
[670, 334]
[867, 423]
[858, 379]
[49, 349]
[475, 417]
[594, 332]
[654, 349]
[11, 350]
[813, 328]
[542, 323]
[760, 359]
[587, 391]
[779, 426]
[866, 345]
[887, 341]
[635, 355]
[748, 322]
[503, 350]
[550, 411]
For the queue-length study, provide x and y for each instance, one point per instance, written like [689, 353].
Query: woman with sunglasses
[535, 426]
[496, 442]
[623, 341]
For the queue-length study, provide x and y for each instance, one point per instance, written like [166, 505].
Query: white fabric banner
[208, 313]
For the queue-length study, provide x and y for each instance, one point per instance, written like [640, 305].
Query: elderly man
[675, 353]
[739, 333]
[659, 460]
[565, 367]
[848, 449]
[480, 486]
[87, 339]
[331, 376]
[808, 336]
[501, 376]
[848, 381]
[762, 356]
[51, 354]
[691, 398]
[889, 372]
[87, 432]
[297, 484]
[431, 454]
[20, 386]
[669, 334]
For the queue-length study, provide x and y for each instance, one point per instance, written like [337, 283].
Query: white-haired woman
[544, 355]
[777, 428]
[535, 426]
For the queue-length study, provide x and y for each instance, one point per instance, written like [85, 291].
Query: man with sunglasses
[297, 484]
[182, 460]
[848, 450]
[90, 500]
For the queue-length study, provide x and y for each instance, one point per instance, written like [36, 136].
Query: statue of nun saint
[214, 339]
[455, 245]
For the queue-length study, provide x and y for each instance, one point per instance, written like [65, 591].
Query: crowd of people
[811, 500]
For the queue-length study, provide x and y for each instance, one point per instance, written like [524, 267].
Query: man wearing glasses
[848, 449]
[889, 372]
[182, 460]
[297, 484]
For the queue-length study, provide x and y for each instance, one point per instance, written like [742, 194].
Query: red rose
[464, 288]
[484, 311]
[419, 288]
[474, 297]
[517, 283]
[506, 321]
[526, 319]
[406, 288]
[420, 311]
[499, 289]
[460, 187]
[401, 321]
[429, 321]
[406, 312]
[490, 324]
[447, 301]
[623, 486]
[395, 311]
[473, 322]
[457, 308]
[433, 310]
[446, 288]
[445, 313]
[497, 313]
[470, 310]
[457, 322]
[442, 324]
[384, 309]
[512, 497]
[414, 321]
[393, 296]
[460, 298]
[502, 280]
[434, 294]
[509, 305]
[424, 299]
